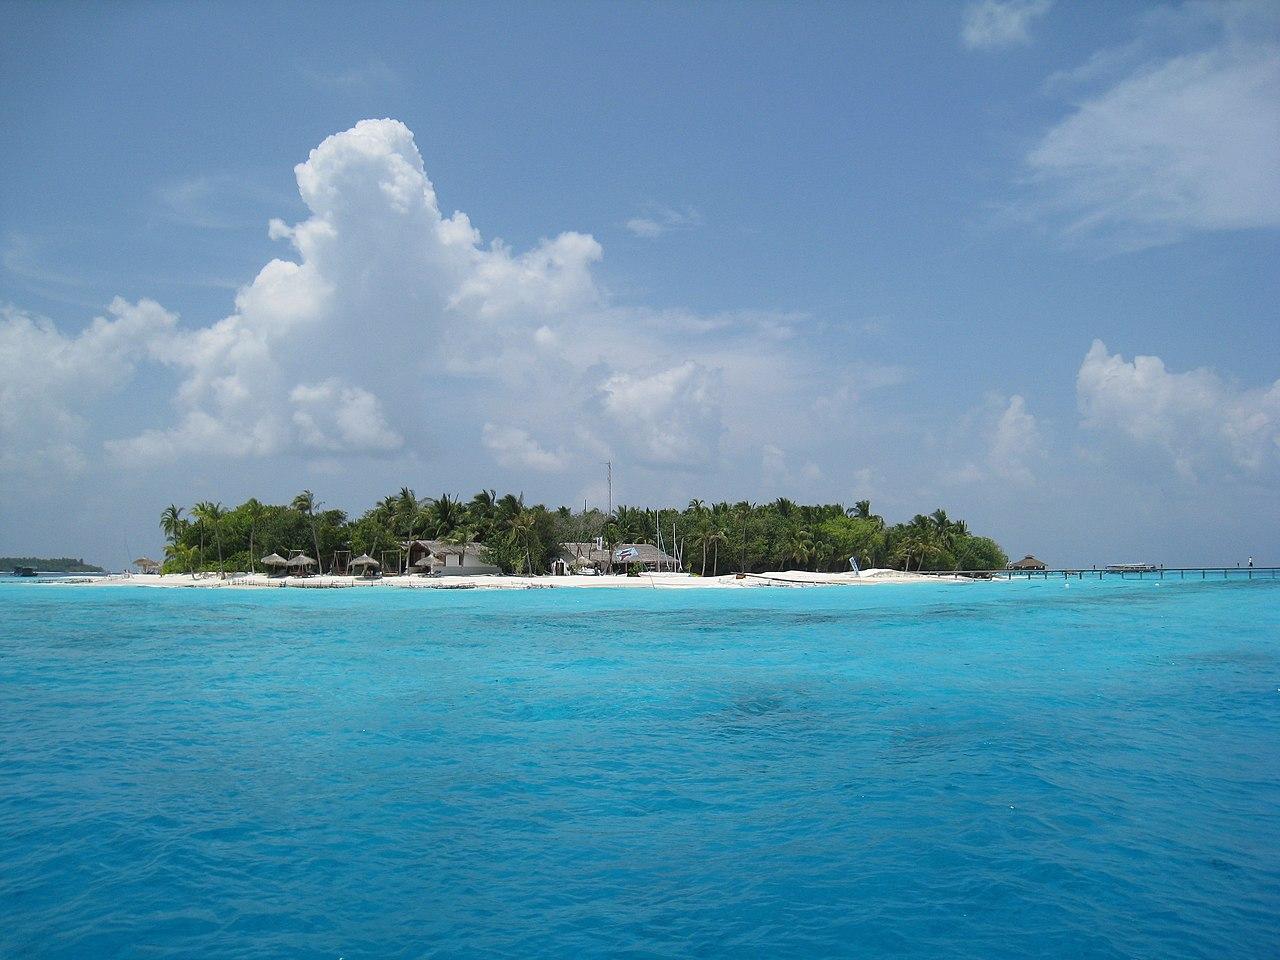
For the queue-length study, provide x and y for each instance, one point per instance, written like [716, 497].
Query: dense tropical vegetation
[711, 539]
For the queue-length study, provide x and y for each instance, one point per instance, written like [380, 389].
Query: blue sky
[746, 251]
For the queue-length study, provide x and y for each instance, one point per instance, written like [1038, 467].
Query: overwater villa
[1027, 563]
[447, 559]
[593, 558]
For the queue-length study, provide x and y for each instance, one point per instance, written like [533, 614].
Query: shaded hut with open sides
[276, 564]
[146, 565]
[301, 565]
[365, 565]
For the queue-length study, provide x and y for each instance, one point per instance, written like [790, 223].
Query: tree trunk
[315, 541]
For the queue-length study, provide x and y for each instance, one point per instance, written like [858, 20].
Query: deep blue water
[979, 770]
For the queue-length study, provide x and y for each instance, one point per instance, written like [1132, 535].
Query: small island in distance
[50, 564]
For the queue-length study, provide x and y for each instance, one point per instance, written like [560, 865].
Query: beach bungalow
[448, 559]
[1027, 563]
[588, 558]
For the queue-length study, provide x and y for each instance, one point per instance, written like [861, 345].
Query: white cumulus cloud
[1202, 424]
[515, 447]
[669, 418]
[50, 382]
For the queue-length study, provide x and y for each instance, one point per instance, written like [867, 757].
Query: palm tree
[216, 512]
[799, 547]
[201, 512]
[716, 537]
[254, 510]
[171, 522]
[406, 512]
[182, 557]
[306, 504]
[480, 512]
[523, 528]
[862, 511]
[447, 513]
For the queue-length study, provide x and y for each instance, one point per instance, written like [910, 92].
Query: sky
[1015, 259]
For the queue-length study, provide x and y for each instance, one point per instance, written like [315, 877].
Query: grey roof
[440, 548]
[648, 553]
[145, 562]
[1027, 561]
[364, 560]
[274, 560]
[301, 560]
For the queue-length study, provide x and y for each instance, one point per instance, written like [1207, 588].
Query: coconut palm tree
[799, 547]
[480, 513]
[216, 513]
[171, 522]
[524, 532]
[254, 511]
[201, 512]
[447, 514]
[180, 556]
[306, 504]
[715, 537]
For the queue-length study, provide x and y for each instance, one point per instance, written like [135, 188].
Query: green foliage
[713, 538]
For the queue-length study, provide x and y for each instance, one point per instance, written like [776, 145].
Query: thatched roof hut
[301, 563]
[365, 563]
[147, 565]
[1027, 563]
[274, 560]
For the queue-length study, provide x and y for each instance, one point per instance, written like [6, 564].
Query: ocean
[1037, 768]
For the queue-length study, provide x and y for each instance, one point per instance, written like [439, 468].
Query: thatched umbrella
[274, 560]
[423, 563]
[146, 565]
[300, 562]
[364, 562]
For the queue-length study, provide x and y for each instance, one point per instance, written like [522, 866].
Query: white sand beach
[647, 581]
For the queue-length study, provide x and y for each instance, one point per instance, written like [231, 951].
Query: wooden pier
[1098, 573]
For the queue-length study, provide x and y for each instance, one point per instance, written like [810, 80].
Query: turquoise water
[977, 770]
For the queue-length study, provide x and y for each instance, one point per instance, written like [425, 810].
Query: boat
[23, 572]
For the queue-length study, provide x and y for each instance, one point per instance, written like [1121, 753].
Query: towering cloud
[391, 328]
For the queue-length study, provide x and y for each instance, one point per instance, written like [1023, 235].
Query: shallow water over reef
[939, 770]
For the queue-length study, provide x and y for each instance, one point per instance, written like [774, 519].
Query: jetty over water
[1123, 571]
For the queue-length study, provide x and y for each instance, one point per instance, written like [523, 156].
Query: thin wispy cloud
[993, 24]
[1174, 145]
[658, 221]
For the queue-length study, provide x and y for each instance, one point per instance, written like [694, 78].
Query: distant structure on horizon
[1028, 563]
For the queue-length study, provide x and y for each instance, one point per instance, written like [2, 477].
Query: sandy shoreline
[649, 581]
